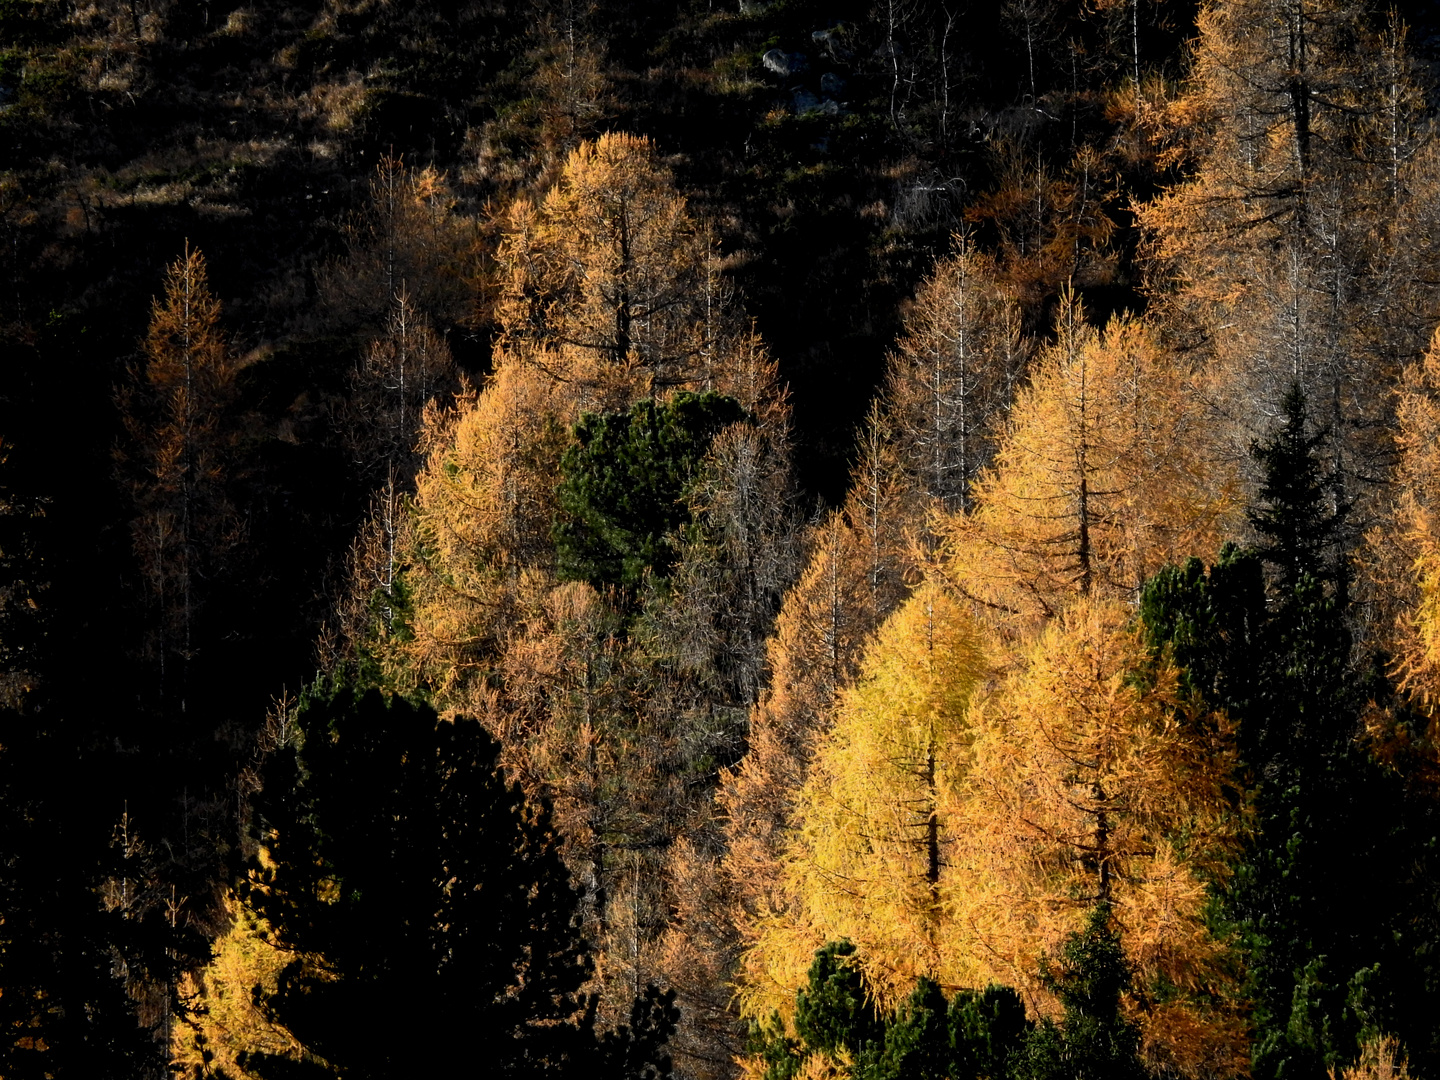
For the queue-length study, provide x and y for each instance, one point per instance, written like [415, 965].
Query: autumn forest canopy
[893, 540]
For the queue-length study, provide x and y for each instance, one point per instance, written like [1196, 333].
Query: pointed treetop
[1300, 515]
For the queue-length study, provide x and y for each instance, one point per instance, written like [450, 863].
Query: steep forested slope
[807, 438]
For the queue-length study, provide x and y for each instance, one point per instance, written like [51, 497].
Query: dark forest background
[834, 150]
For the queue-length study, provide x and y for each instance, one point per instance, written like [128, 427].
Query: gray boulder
[831, 42]
[807, 104]
[831, 85]
[784, 64]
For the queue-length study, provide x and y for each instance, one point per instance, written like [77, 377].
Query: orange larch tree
[1110, 470]
[1296, 249]
[176, 464]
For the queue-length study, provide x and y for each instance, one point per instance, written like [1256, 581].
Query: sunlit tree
[1110, 469]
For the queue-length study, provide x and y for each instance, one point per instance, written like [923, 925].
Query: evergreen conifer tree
[624, 482]
[973, 1035]
[1333, 896]
[425, 901]
[1095, 1040]
[1298, 519]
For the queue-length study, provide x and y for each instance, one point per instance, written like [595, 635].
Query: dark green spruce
[972, 1034]
[1333, 901]
[624, 482]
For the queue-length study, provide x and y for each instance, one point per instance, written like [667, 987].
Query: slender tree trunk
[1135, 50]
[622, 301]
[945, 80]
[1299, 90]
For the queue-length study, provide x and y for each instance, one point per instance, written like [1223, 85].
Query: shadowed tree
[176, 465]
[419, 891]
[1298, 248]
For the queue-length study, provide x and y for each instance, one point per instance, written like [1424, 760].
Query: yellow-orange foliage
[870, 860]
[610, 285]
[1052, 226]
[1267, 126]
[484, 505]
[1407, 559]
[1076, 774]
[563, 690]
[187, 378]
[1065, 767]
[1109, 471]
[1092, 779]
[1381, 1058]
[225, 1022]
[611, 295]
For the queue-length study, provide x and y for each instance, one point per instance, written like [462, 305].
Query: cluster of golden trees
[957, 755]
[616, 706]
[925, 721]
[988, 768]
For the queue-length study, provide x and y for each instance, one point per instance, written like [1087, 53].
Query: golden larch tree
[1402, 562]
[610, 284]
[1109, 471]
[1094, 779]
[482, 558]
[870, 858]
[177, 460]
